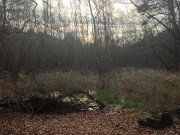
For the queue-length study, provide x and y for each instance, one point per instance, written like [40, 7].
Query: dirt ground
[98, 122]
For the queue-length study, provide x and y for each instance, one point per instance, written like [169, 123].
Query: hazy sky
[84, 8]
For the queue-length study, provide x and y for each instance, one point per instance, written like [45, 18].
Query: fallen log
[100, 104]
[39, 104]
[159, 122]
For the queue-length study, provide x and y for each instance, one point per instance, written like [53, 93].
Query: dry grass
[6, 85]
[156, 89]
[58, 81]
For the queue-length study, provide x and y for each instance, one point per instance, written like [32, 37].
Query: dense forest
[112, 52]
[97, 36]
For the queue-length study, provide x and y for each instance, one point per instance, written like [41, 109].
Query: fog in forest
[93, 35]
[71, 56]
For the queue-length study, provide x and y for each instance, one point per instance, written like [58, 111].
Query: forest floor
[98, 122]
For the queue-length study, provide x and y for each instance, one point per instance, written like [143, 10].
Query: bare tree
[165, 17]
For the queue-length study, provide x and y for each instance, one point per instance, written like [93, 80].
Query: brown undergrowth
[145, 89]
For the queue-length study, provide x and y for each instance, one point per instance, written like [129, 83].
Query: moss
[107, 96]
[154, 119]
[132, 102]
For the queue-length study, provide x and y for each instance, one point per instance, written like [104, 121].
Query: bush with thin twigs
[146, 89]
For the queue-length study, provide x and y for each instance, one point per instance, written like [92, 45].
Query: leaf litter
[78, 123]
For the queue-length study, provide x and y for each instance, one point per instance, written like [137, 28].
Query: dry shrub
[160, 96]
[158, 89]
[155, 88]
[63, 82]
[6, 87]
